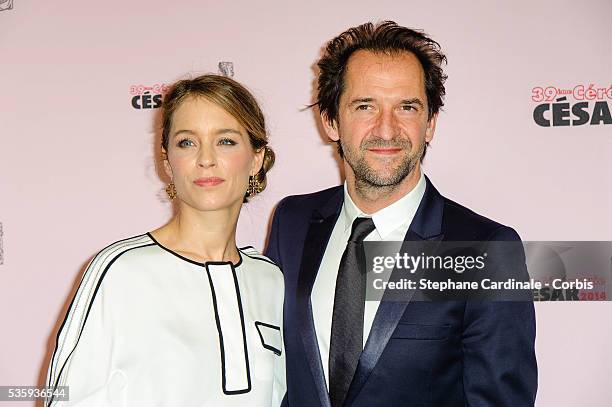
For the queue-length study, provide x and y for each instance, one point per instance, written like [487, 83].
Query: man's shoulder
[308, 202]
[462, 223]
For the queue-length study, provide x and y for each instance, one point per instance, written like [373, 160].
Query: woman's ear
[258, 161]
[167, 168]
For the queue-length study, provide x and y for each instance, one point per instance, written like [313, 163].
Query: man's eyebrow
[413, 101]
[361, 100]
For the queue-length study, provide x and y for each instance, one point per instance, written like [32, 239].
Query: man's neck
[370, 199]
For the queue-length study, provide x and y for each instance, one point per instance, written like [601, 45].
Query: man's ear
[258, 161]
[331, 127]
[167, 168]
[431, 128]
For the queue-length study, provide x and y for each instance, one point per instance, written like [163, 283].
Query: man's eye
[362, 107]
[227, 142]
[185, 143]
[408, 108]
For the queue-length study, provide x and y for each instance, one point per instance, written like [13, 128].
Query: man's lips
[208, 181]
[385, 151]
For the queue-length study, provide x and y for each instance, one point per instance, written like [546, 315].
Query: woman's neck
[202, 235]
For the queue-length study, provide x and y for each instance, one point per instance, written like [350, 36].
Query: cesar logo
[226, 69]
[147, 101]
[1, 246]
[148, 97]
[6, 5]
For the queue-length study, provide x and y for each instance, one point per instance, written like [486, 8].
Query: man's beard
[367, 177]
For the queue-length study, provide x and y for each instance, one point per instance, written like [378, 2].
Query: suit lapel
[426, 225]
[319, 231]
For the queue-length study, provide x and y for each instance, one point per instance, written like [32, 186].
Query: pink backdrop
[77, 167]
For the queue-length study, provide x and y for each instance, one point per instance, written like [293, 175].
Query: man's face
[382, 120]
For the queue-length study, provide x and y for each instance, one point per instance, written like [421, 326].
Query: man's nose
[387, 125]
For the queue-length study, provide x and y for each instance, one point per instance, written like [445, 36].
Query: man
[380, 89]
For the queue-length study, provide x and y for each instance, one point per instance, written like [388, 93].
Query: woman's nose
[207, 158]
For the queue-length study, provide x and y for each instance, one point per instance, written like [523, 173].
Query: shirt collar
[386, 219]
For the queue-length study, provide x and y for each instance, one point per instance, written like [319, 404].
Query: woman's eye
[185, 143]
[227, 142]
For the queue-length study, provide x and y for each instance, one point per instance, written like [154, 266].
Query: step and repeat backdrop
[525, 138]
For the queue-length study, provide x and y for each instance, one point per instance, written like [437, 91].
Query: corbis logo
[148, 97]
[6, 5]
[572, 106]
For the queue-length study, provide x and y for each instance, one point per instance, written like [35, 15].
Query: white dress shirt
[391, 224]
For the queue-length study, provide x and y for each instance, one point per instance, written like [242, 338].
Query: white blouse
[149, 327]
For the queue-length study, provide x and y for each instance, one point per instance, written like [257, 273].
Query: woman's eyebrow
[216, 132]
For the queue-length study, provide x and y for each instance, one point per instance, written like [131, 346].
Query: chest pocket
[421, 332]
[270, 336]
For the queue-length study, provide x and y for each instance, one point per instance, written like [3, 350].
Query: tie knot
[361, 228]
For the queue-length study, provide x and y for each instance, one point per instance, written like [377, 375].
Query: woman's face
[210, 157]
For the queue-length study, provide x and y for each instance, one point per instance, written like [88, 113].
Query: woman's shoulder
[110, 254]
[113, 256]
[253, 256]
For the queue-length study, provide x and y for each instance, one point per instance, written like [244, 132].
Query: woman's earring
[254, 186]
[171, 190]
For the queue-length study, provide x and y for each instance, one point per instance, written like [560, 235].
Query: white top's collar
[386, 219]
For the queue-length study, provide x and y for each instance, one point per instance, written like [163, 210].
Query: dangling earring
[254, 186]
[171, 190]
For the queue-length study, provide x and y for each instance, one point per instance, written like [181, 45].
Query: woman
[181, 316]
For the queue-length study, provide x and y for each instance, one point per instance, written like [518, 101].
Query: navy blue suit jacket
[444, 353]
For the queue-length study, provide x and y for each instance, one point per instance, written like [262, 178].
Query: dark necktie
[346, 341]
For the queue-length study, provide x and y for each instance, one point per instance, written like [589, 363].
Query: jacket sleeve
[279, 388]
[500, 368]
[273, 250]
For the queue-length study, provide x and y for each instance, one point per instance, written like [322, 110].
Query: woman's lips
[208, 181]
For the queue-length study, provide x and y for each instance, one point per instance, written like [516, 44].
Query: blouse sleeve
[82, 359]
[279, 386]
